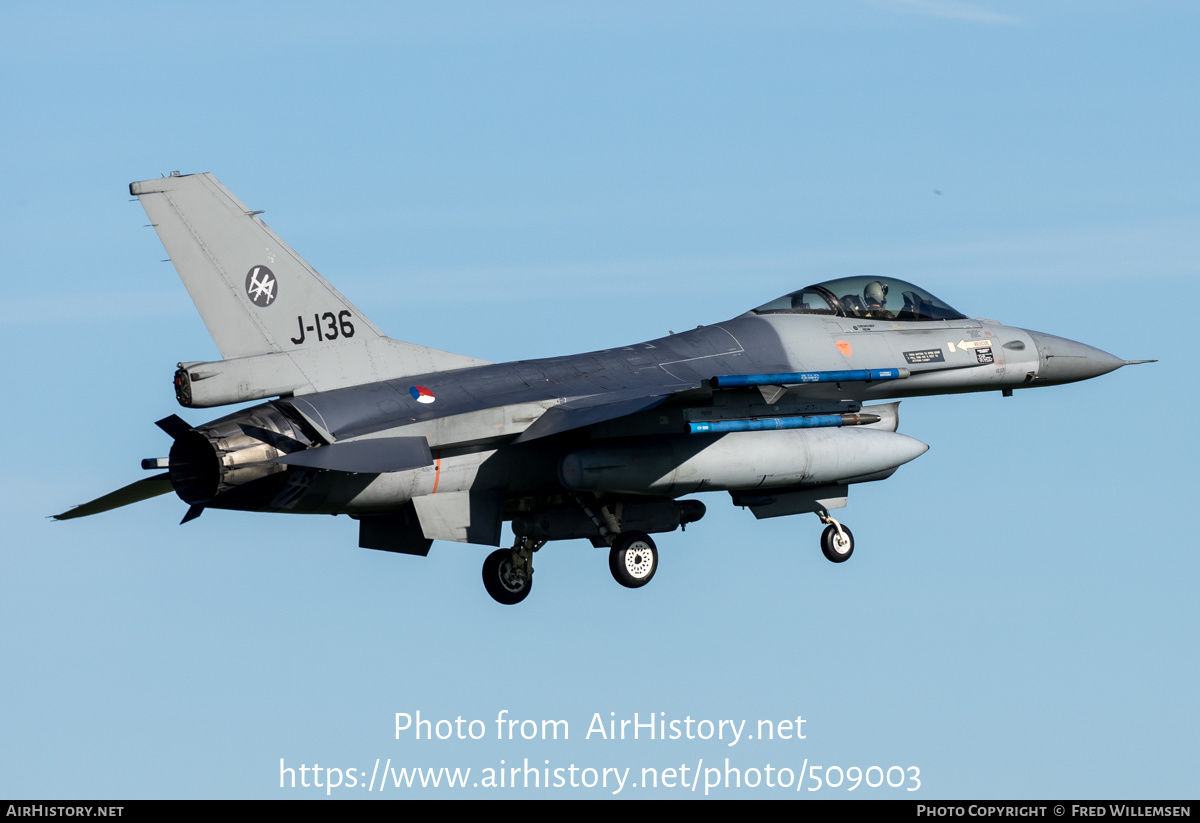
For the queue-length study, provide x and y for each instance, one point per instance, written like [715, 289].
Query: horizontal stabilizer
[375, 456]
[143, 489]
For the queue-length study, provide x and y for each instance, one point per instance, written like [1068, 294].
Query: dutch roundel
[421, 394]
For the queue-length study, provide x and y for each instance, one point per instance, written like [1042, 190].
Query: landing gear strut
[633, 558]
[837, 543]
[508, 573]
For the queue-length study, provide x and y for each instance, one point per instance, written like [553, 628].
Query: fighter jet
[418, 444]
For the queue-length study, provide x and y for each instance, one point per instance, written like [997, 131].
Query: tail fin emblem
[260, 286]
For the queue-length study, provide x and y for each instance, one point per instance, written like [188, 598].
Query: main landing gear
[633, 559]
[623, 526]
[508, 573]
[837, 543]
[632, 555]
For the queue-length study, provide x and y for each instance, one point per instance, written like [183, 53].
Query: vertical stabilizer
[280, 327]
[253, 292]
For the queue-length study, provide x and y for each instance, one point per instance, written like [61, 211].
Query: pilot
[875, 295]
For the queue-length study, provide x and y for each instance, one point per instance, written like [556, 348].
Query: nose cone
[1064, 361]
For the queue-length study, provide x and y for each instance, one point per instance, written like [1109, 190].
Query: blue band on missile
[790, 378]
[817, 421]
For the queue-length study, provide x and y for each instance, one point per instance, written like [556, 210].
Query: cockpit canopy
[874, 298]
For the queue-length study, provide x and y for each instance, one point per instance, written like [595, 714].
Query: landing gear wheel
[837, 548]
[633, 559]
[503, 581]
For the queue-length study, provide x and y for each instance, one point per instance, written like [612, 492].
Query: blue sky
[524, 180]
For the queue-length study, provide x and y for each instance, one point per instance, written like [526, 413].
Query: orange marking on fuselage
[437, 472]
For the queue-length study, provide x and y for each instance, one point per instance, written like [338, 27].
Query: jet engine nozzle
[227, 457]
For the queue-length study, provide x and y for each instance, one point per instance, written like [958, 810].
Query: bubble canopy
[867, 297]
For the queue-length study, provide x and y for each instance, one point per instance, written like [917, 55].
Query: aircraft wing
[587, 411]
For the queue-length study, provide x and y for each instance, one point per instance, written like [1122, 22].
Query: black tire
[633, 559]
[830, 547]
[501, 582]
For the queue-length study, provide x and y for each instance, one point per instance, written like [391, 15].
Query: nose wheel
[633, 559]
[837, 543]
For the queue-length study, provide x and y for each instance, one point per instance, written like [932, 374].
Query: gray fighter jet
[419, 445]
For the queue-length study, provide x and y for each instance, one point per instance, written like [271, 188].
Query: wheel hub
[510, 578]
[638, 561]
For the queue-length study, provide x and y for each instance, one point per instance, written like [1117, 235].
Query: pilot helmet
[876, 292]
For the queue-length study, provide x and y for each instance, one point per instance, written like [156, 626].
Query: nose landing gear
[837, 543]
